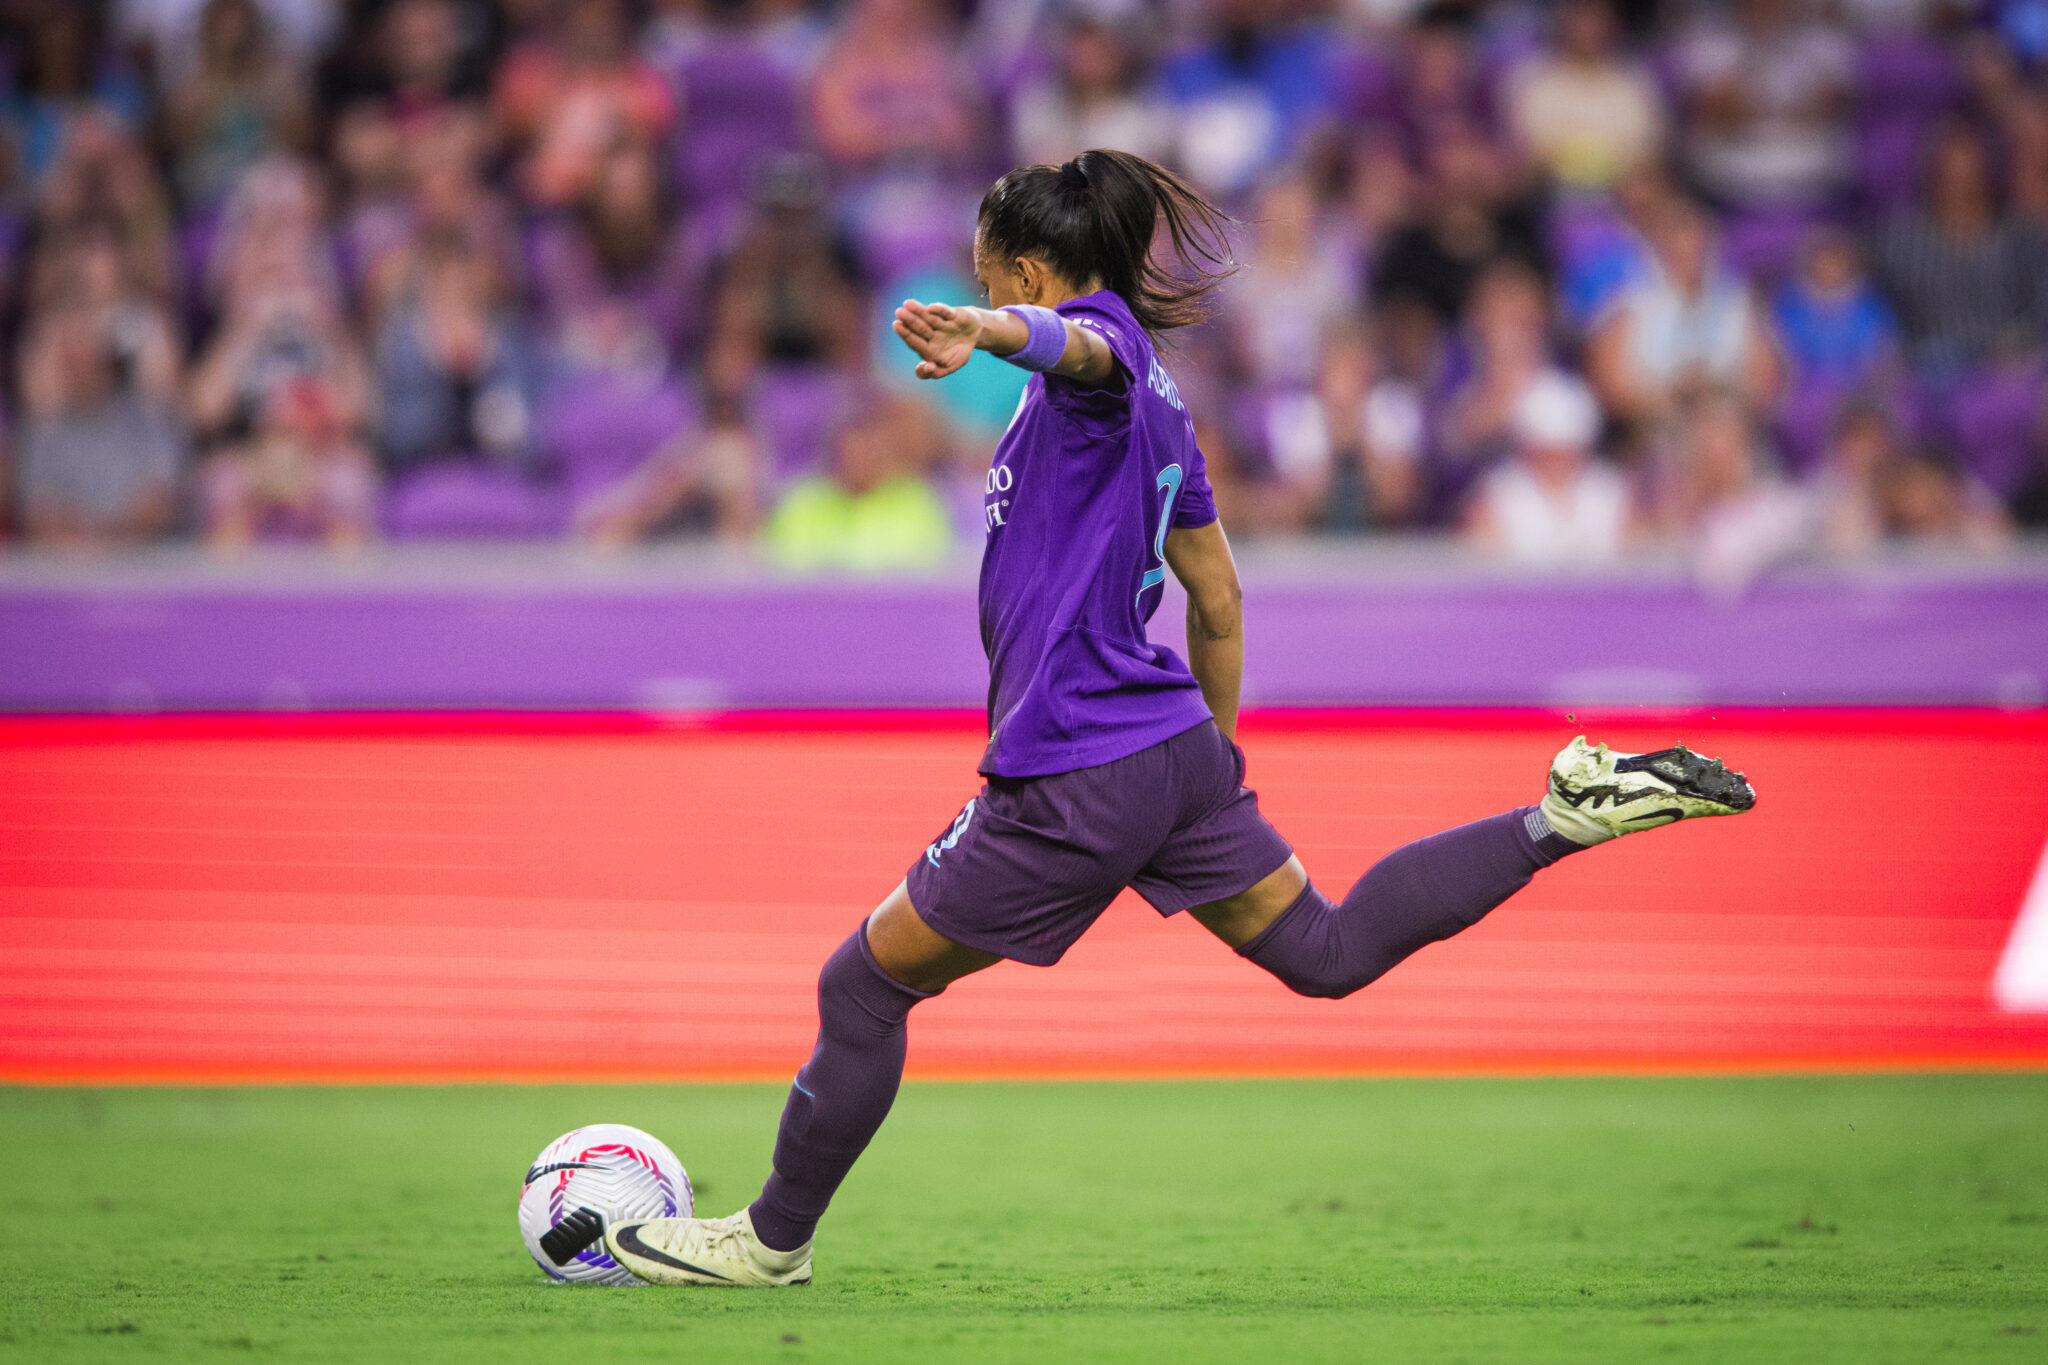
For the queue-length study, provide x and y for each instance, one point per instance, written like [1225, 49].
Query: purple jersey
[1083, 488]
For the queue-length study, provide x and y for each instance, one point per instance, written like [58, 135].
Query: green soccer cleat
[720, 1252]
[1596, 794]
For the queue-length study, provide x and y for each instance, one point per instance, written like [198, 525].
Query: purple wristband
[1047, 341]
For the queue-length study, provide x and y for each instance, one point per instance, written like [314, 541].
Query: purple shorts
[1030, 863]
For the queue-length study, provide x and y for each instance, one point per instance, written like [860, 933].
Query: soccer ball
[616, 1171]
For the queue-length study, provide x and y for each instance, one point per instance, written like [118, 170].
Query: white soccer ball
[617, 1171]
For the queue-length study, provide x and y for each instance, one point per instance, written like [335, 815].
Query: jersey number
[1169, 487]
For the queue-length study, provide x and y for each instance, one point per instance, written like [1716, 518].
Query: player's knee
[856, 997]
[1329, 981]
[1320, 976]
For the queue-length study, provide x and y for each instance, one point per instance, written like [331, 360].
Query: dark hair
[1095, 218]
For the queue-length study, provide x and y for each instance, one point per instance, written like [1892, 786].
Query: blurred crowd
[1749, 281]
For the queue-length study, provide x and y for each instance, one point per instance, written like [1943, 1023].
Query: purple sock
[1416, 895]
[842, 1094]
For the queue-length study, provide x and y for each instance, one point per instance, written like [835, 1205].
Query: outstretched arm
[946, 335]
[1200, 559]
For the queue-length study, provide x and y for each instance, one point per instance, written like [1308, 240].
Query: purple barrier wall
[673, 640]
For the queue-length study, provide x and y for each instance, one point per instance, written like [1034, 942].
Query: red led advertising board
[597, 897]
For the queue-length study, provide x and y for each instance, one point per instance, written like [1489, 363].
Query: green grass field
[1877, 1218]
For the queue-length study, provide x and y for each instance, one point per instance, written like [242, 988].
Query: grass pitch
[1876, 1218]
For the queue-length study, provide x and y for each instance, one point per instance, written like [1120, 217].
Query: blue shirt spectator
[1245, 99]
[1833, 324]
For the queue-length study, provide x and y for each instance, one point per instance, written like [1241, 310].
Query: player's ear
[1033, 278]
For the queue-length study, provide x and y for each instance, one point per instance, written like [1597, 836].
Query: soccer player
[1110, 760]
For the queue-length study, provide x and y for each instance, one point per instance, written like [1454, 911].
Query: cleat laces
[715, 1237]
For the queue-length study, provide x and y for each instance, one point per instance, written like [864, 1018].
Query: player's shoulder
[1109, 317]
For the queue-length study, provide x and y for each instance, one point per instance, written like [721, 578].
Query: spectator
[1348, 457]
[1472, 210]
[1585, 114]
[301, 469]
[1439, 87]
[542, 260]
[1553, 503]
[897, 115]
[1724, 500]
[1768, 92]
[66, 80]
[425, 58]
[169, 34]
[1095, 99]
[458, 377]
[891, 90]
[1929, 501]
[438, 191]
[282, 395]
[2018, 110]
[1835, 327]
[2030, 503]
[1847, 489]
[627, 435]
[2026, 140]
[1507, 343]
[104, 177]
[621, 247]
[101, 446]
[787, 295]
[1247, 97]
[1296, 285]
[1690, 325]
[874, 511]
[274, 226]
[1379, 191]
[1969, 280]
[1899, 16]
[241, 103]
[1603, 248]
[563, 103]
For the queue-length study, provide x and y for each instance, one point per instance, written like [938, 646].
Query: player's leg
[1433, 888]
[844, 1091]
[836, 1104]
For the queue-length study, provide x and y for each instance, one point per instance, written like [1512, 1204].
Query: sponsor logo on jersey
[995, 510]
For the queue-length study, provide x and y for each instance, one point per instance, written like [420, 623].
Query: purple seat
[741, 105]
[1904, 83]
[1368, 85]
[470, 500]
[909, 220]
[1993, 420]
[795, 408]
[1805, 420]
[1764, 243]
[1889, 158]
[1807, 416]
[1903, 73]
[198, 239]
[600, 429]
[1248, 415]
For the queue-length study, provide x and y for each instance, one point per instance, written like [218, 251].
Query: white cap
[1556, 411]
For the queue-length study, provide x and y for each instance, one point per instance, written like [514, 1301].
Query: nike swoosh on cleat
[628, 1238]
[1672, 811]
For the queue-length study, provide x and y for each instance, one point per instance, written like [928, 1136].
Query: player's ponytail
[1096, 217]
